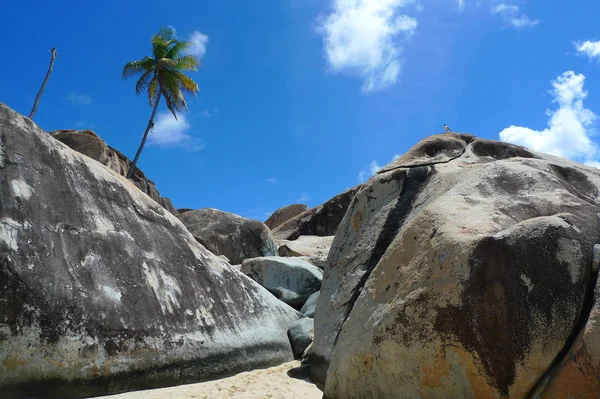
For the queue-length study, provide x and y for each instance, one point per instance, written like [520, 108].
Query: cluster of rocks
[291, 269]
[105, 287]
[464, 268]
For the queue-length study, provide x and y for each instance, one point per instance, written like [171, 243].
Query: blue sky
[301, 99]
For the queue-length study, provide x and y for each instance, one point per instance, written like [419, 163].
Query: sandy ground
[272, 383]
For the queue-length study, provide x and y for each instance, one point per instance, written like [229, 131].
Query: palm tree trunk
[39, 95]
[139, 151]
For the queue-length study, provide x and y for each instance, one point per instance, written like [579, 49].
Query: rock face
[576, 376]
[314, 248]
[310, 305]
[321, 221]
[102, 290]
[284, 214]
[301, 334]
[90, 144]
[464, 269]
[289, 279]
[231, 235]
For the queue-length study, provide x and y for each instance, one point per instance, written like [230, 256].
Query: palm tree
[39, 95]
[162, 77]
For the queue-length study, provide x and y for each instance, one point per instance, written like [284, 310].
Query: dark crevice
[467, 139]
[178, 372]
[578, 330]
[413, 182]
[421, 165]
[505, 150]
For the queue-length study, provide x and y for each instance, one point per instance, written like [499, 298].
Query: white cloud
[512, 16]
[505, 9]
[588, 48]
[363, 38]
[198, 47]
[304, 197]
[84, 125]
[209, 112]
[79, 99]
[365, 174]
[272, 180]
[171, 132]
[523, 21]
[569, 127]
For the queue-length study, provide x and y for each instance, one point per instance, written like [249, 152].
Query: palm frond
[171, 89]
[153, 90]
[143, 82]
[171, 102]
[166, 32]
[186, 83]
[160, 46]
[163, 74]
[187, 63]
[166, 64]
[133, 68]
[177, 48]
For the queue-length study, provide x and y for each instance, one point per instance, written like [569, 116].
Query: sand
[272, 383]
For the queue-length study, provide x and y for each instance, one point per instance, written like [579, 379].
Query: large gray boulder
[224, 233]
[301, 334]
[463, 269]
[291, 280]
[284, 214]
[313, 248]
[102, 290]
[89, 143]
[310, 306]
[321, 221]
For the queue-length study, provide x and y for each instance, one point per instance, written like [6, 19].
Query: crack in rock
[588, 303]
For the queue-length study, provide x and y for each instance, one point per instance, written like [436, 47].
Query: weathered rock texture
[301, 334]
[310, 306]
[314, 249]
[284, 214]
[231, 235]
[462, 270]
[576, 375]
[102, 290]
[321, 221]
[90, 144]
[291, 280]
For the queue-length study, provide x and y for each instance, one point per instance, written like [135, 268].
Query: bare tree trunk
[39, 95]
[139, 151]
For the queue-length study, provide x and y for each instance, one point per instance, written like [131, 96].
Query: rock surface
[301, 334]
[310, 305]
[231, 235]
[284, 214]
[314, 248]
[576, 376]
[464, 270]
[102, 290]
[321, 221]
[90, 144]
[289, 279]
